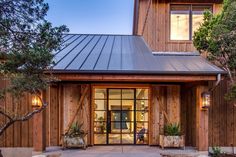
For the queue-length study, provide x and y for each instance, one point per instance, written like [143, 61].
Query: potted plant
[75, 137]
[172, 136]
[101, 125]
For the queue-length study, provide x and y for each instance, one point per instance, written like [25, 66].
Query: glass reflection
[114, 93]
[127, 93]
[142, 93]
[127, 138]
[114, 104]
[100, 138]
[142, 116]
[99, 115]
[100, 105]
[114, 138]
[100, 93]
[100, 127]
[142, 105]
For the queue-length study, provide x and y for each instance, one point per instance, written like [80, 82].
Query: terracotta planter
[172, 141]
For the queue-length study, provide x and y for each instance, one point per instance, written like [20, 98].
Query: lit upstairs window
[185, 20]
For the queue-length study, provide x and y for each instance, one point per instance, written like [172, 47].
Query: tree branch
[5, 114]
[23, 118]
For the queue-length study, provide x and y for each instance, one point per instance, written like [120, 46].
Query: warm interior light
[36, 102]
[206, 99]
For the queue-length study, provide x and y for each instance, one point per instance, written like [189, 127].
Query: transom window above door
[185, 20]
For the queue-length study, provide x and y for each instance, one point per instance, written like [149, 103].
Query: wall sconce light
[36, 102]
[206, 100]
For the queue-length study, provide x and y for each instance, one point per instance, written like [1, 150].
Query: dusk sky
[92, 16]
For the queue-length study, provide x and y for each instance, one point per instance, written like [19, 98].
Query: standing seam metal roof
[84, 53]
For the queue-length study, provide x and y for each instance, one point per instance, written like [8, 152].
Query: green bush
[76, 130]
[172, 129]
[216, 151]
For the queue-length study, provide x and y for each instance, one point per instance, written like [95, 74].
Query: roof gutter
[216, 83]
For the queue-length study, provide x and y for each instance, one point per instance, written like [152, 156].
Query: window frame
[190, 19]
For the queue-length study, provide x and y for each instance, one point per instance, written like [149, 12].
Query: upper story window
[185, 19]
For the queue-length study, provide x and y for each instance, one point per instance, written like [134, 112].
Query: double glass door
[121, 116]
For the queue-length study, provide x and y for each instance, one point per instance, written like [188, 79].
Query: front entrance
[120, 115]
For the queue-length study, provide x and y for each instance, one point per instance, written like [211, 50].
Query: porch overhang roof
[104, 55]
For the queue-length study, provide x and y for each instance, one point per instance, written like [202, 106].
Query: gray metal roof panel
[124, 54]
[115, 57]
[94, 55]
[82, 56]
[69, 53]
[104, 57]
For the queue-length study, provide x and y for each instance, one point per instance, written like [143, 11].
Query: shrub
[172, 129]
[76, 130]
[216, 151]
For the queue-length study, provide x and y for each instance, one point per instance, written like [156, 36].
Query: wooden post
[39, 140]
[201, 121]
[39, 130]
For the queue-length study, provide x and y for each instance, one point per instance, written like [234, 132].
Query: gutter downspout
[135, 17]
[210, 90]
[216, 83]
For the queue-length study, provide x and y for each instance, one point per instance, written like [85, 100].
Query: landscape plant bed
[228, 155]
[225, 155]
[217, 152]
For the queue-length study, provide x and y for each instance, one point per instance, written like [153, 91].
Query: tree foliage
[217, 39]
[27, 41]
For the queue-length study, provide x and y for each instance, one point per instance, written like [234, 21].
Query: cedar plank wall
[59, 98]
[165, 98]
[222, 118]
[20, 133]
[188, 114]
[156, 31]
[72, 95]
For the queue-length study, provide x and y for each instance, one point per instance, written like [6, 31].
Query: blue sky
[92, 16]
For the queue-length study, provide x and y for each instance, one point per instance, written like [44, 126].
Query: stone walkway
[120, 151]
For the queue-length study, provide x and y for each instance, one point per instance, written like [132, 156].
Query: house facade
[117, 85]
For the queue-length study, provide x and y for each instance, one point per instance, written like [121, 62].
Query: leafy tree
[26, 42]
[217, 39]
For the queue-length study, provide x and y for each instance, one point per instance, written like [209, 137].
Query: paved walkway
[119, 151]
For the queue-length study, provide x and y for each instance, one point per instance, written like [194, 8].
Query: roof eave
[125, 72]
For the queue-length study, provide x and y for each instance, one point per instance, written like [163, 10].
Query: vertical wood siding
[72, 95]
[156, 30]
[20, 133]
[165, 98]
[188, 114]
[222, 119]
[64, 97]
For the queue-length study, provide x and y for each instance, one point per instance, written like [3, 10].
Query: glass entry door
[121, 116]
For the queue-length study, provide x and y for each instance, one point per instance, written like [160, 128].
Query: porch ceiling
[124, 54]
